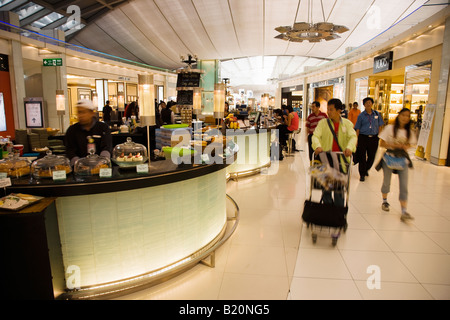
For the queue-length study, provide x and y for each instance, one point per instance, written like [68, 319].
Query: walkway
[271, 255]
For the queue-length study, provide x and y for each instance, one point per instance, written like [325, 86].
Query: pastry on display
[15, 167]
[43, 168]
[91, 165]
[129, 154]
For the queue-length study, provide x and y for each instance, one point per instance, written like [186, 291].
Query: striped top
[312, 120]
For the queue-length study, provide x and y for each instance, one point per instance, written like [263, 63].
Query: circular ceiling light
[312, 32]
[309, 31]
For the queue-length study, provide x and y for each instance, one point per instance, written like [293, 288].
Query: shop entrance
[322, 95]
[401, 88]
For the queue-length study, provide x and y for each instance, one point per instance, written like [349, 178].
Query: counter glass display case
[91, 165]
[44, 167]
[132, 229]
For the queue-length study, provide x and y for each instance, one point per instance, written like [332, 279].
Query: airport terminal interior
[161, 150]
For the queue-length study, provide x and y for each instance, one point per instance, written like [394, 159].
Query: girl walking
[397, 138]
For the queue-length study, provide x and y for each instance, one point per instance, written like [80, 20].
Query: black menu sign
[383, 62]
[185, 97]
[188, 79]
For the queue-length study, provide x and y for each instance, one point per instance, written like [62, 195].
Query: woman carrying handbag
[397, 138]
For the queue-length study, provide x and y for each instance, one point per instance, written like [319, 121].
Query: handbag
[324, 214]
[395, 163]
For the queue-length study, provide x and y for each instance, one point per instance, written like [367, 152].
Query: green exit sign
[53, 62]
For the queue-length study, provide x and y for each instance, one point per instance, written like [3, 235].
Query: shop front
[407, 82]
[325, 90]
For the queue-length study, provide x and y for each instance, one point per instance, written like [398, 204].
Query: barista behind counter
[76, 139]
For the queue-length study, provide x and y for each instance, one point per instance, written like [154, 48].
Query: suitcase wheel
[334, 241]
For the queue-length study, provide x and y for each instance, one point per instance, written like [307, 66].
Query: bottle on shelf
[91, 145]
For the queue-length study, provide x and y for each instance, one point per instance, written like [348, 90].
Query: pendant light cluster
[308, 31]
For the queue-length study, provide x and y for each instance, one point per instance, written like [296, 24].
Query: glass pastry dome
[91, 165]
[44, 167]
[14, 166]
[129, 154]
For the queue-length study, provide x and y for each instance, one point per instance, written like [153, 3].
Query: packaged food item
[17, 201]
[129, 154]
[15, 166]
[91, 165]
[44, 167]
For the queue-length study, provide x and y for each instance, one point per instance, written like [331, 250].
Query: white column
[441, 130]
[16, 75]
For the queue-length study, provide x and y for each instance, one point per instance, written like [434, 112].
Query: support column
[441, 131]
[208, 79]
[16, 76]
[55, 78]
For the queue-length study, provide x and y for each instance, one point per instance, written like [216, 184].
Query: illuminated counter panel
[131, 231]
[120, 235]
[254, 152]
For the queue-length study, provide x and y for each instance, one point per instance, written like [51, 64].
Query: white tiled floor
[271, 255]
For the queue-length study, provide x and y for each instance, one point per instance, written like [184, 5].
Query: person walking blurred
[367, 127]
[354, 113]
[397, 138]
[311, 123]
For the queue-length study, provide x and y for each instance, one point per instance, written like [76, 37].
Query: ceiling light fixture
[309, 31]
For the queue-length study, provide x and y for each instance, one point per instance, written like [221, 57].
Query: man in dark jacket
[87, 133]
[107, 113]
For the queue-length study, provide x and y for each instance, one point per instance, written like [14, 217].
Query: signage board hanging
[56, 62]
[383, 62]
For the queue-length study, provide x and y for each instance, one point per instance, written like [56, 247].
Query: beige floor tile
[237, 286]
[403, 241]
[355, 239]
[385, 266]
[393, 291]
[428, 268]
[320, 263]
[323, 289]
[256, 260]
[437, 291]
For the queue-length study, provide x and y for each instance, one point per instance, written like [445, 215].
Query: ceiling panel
[158, 32]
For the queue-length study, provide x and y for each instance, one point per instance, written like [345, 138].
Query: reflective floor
[271, 255]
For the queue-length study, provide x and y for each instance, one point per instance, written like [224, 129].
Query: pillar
[441, 130]
[55, 78]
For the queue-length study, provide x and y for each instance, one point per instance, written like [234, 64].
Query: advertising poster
[427, 122]
[33, 114]
[2, 113]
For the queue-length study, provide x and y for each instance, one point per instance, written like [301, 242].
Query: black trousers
[367, 148]
[283, 134]
[311, 151]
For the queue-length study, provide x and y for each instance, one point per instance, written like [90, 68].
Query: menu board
[188, 79]
[33, 114]
[185, 97]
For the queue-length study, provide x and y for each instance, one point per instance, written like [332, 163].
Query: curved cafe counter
[254, 151]
[132, 231]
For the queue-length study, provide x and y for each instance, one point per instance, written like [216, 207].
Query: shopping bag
[395, 163]
[324, 214]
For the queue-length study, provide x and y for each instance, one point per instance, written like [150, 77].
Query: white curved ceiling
[157, 32]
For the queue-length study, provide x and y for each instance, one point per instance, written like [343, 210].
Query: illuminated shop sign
[328, 82]
[383, 62]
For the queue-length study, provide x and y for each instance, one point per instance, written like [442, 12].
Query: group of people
[326, 132]
[361, 138]
[288, 122]
[132, 109]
